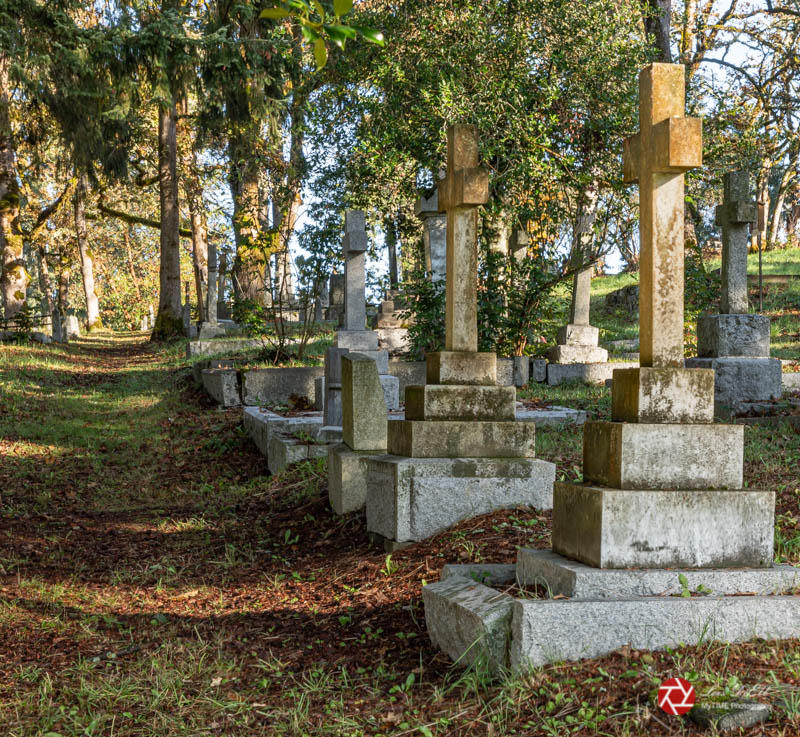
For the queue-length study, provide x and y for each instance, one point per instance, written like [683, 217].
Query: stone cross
[735, 214]
[582, 281]
[354, 246]
[667, 145]
[434, 236]
[465, 188]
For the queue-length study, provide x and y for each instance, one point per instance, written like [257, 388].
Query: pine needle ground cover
[155, 581]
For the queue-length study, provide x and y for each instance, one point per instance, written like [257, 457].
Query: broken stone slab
[741, 379]
[414, 498]
[545, 631]
[566, 354]
[733, 335]
[489, 574]
[469, 621]
[222, 385]
[657, 456]
[576, 580]
[552, 416]
[452, 402]
[644, 528]
[662, 395]
[462, 439]
[587, 373]
[461, 367]
[729, 714]
[259, 424]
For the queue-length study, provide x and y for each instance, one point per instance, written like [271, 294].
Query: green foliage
[425, 309]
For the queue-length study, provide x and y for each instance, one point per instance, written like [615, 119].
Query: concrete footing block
[599, 611]
[414, 498]
[649, 528]
[461, 438]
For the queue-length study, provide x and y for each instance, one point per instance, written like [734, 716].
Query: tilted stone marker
[734, 343]
[458, 452]
[671, 502]
[434, 236]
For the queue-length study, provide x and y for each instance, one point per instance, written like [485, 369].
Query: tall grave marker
[458, 452]
[734, 343]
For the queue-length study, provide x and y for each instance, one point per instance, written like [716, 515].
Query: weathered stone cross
[460, 194]
[735, 214]
[666, 146]
[354, 246]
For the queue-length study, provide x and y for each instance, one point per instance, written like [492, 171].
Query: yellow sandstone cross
[460, 194]
[667, 145]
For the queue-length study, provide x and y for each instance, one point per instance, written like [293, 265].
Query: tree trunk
[657, 17]
[87, 264]
[780, 201]
[762, 195]
[45, 282]
[169, 321]
[391, 247]
[14, 278]
[131, 269]
[62, 296]
[197, 216]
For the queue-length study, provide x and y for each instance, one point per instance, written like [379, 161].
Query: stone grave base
[222, 385]
[552, 416]
[738, 379]
[410, 499]
[599, 611]
[588, 373]
[284, 440]
[567, 354]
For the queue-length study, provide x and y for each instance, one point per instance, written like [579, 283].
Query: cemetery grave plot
[144, 553]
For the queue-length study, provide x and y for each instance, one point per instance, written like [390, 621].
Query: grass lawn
[155, 581]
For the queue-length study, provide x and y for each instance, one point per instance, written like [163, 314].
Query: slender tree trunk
[14, 278]
[391, 247]
[780, 202]
[45, 282]
[169, 321]
[64, 274]
[197, 215]
[129, 255]
[87, 263]
[762, 195]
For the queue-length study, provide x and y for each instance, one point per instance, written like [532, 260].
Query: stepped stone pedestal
[662, 508]
[459, 452]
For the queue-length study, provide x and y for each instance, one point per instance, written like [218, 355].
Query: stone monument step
[461, 438]
[411, 499]
[626, 455]
[473, 622]
[585, 335]
[739, 379]
[452, 402]
[564, 577]
[650, 528]
[577, 354]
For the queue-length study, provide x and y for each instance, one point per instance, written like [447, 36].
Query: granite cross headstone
[667, 145]
[354, 247]
[465, 188]
[735, 214]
